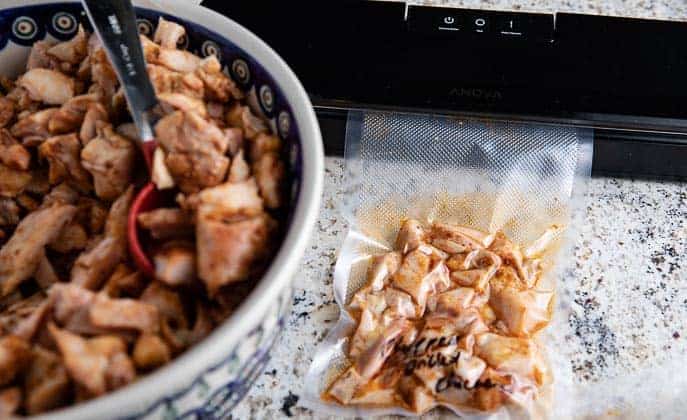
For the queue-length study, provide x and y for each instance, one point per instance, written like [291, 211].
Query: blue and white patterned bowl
[211, 378]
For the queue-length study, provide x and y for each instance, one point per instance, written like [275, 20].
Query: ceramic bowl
[209, 379]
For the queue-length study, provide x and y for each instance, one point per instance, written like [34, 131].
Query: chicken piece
[165, 223]
[510, 254]
[96, 264]
[369, 361]
[9, 212]
[242, 116]
[234, 137]
[177, 101]
[379, 391]
[227, 252]
[24, 105]
[178, 60]
[63, 154]
[165, 80]
[13, 154]
[72, 238]
[39, 184]
[10, 400]
[168, 33]
[39, 57]
[270, 172]
[61, 194]
[72, 51]
[70, 116]
[410, 236]
[417, 396]
[518, 356]
[120, 369]
[175, 324]
[523, 311]
[12, 181]
[110, 158]
[7, 111]
[95, 116]
[453, 239]
[116, 223]
[346, 386]
[15, 356]
[47, 383]
[451, 303]
[540, 246]
[481, 267]
[102, 73]
[195, 150]
[20, 256]
[127, 314]
[72, 305]
[47, 86]
[150, 352]
[218, 86]
[23, 318]
[33, 129]
[150, 49]
[415, 278]
[175, 264]
[124, 281]
[239, 170]
[160, 174]
[45, 273]
[27, 202]
[92, 363]
[229, 201]
[381, 269]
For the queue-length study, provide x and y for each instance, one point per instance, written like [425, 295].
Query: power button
[447, 22]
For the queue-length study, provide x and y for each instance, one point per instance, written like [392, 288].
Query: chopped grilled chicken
[174, 322]
[39, 57]
[73, 237]
[23, 318]
[178, 101]
[95, 116]
[165, 80]
[175, 264]
[7, 111]
[115, 225]
[178, 60]
[165, 223]
[195, 150]
[20, 256]
[10, 401]
[228, 252]
[242, 117]
[72, 51]
[218, 86]
[33, 129]
[48, 86]
[168, 33]
[150, 352]
[160, 174]
[102, 73]
[14, 358]
[70, 116]
[12, 181]
[94, 364]
[480, 266]
[517, 355]
[47, 383]
[346, 386]
[150, 49]
[410, 236]
[452, 239]
[45, 273]
[510, 254]
[63, 153]
[381, 269]
[110, 158]
[27, 202]
[61, 194]
[124, 313]
[9, 212]
[229, 201]
[12, 153]
[72, 305]
[124, 281]
[415, 278]
[269, 173]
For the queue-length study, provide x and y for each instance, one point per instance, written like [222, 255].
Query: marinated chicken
[77, 320]
[449, 319]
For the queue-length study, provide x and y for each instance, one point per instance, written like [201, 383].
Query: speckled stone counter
[629, 305]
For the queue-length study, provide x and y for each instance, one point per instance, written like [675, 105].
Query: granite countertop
[630, 280]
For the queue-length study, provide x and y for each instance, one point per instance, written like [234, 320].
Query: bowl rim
[135, 398]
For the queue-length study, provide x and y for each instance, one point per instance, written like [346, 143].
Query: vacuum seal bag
[446, 280]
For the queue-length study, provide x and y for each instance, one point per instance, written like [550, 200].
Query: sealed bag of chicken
[447, 278]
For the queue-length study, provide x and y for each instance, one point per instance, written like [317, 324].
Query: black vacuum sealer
[626, 78]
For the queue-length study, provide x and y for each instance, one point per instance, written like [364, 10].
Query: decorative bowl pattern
[211, 378]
